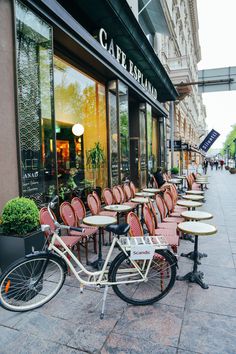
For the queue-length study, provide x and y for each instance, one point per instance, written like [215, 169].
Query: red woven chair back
[133, 189]
[173, 193]
[67, 214]
[168, 201]
[155, 182]
[122, 194]
[116, 195]
[107, 196]
[127, 191]
[189, 183]
[160, 206]
[135, 225]
[98, 200]
[149, 221]
[79, 209]
[45, 218]
[166, 177]
[153, 210]
[92, 204]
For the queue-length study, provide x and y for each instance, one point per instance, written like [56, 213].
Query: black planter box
[15, 247]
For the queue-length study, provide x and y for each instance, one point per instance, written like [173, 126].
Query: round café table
[195, 215]
[189, 204]
[195, 198]
[196, 229]
[183, 179]
[152, 190]
[141, 201]
[144, 194]
[175, 181]
[99, 221]
[193, 192]
[119, 208]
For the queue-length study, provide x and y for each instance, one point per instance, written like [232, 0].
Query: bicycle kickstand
[104, 301]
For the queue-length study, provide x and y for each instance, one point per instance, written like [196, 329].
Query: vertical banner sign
[209, 140]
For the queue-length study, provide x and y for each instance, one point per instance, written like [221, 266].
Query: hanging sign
[127, 64]
[209, 140]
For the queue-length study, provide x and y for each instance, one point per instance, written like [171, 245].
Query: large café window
[81, 132]
[34, 65]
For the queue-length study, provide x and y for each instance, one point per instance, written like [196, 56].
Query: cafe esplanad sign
[120, 56]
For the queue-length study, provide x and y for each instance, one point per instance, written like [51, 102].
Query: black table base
[187, 237]
[98, 263]
[190, 255]
[195, 276]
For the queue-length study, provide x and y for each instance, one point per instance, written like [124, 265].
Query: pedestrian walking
[221, 164]
[212, 164]
[205, 165]
[216, 164]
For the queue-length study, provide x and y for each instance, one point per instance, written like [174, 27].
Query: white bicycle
[142, 273]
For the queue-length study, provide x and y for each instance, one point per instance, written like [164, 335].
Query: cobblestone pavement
[188, 320]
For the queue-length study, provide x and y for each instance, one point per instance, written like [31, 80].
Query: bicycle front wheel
[158, 282]
[31, 282]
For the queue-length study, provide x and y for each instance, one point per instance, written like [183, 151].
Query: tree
[229, 141]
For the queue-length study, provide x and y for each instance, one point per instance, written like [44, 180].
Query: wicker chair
[69, 218]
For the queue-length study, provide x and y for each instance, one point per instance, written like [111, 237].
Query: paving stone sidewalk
[188, 320]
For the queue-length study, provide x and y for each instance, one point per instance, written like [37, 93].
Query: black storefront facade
[88, 94]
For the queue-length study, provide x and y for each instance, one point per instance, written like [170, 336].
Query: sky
[217, 33]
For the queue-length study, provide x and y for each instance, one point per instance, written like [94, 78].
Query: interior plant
[20, 230]
[174, 170]
[95, 159]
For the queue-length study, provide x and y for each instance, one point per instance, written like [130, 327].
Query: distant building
[172, 28]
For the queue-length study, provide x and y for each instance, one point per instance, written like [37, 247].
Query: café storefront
[88, 98]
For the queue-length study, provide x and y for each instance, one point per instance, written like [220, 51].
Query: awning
[152, 18]
[118, 20]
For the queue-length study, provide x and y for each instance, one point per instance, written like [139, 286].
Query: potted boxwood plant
[174, 171]
[20, 230]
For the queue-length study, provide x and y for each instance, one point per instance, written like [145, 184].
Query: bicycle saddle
[118, 229]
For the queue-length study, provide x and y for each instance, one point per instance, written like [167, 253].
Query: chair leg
[68, 268]
[78, 251]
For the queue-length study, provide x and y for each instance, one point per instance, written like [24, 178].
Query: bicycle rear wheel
[31, 282]
[160, 278]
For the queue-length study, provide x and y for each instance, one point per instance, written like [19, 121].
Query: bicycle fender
[172, 255]
[50, 255]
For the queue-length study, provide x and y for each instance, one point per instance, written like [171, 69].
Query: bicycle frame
[98, 278]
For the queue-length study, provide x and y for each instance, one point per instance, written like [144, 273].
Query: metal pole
[235, 152]
[172, 128]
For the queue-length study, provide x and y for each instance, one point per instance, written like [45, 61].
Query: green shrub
[174, 170]
[20, 216]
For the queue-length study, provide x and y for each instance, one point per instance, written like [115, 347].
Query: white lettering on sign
[128, 65]
[142, 252]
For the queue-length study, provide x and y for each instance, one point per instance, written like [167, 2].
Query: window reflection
[82, 160]
[35, 102]
[124, 131]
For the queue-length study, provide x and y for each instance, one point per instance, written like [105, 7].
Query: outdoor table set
[119, 208]
[193, 227]
[99, 221]
[141, 201]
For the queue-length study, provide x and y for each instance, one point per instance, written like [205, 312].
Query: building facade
[172, 28]
[83, 100]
